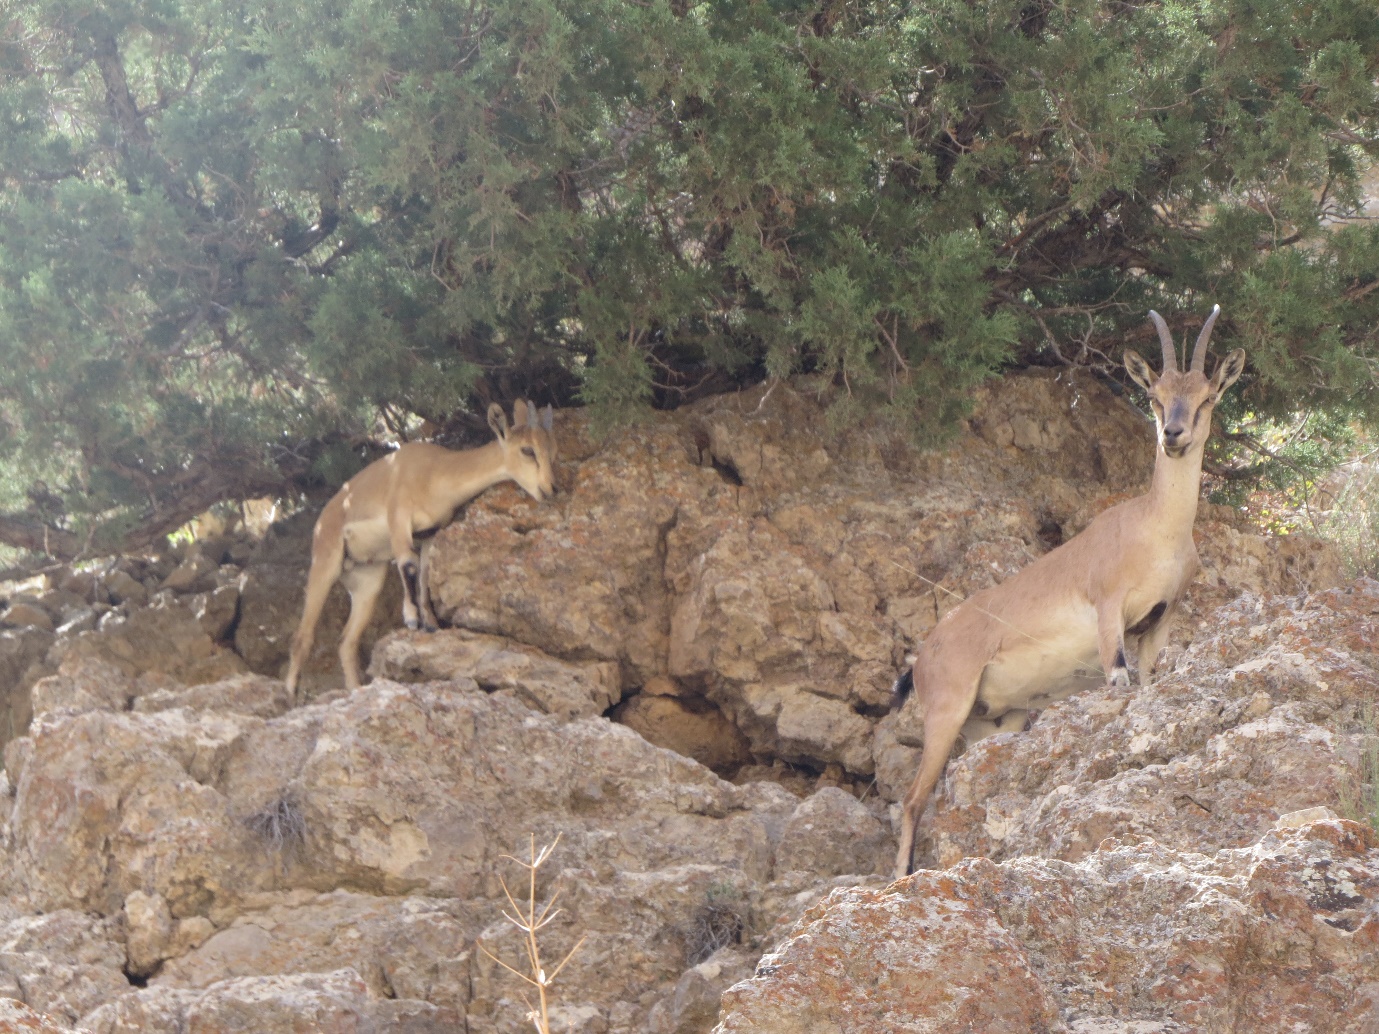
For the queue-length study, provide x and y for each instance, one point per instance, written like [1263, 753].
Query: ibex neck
[1176, 487]
[470, 472]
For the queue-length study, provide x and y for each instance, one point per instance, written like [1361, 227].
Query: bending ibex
[378, 514]
[1026, 641]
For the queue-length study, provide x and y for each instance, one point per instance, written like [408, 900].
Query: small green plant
[1359, 800]
[530, 920]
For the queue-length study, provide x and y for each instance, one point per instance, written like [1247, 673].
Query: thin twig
[528, 920]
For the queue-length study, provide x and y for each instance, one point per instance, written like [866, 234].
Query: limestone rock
[328, 1002]
[23, 654]
[110, 803]
[124, 588]
[83, 620]
[832, 833]
[188, 823]
[24, 614]
[889, 960]
[693, 1007]
[83, 683]
[245, 694]
[566, 689]
[410, 947]
[1271, 937]
[397, 772]
[63, 963]
[196, 573]
[163, 643]
[17, 1018]
[217, 610]
[148, 931]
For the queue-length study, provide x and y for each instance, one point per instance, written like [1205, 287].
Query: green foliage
[233, 234]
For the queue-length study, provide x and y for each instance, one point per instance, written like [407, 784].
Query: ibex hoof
[1119, 677]
[411, 623]
[427, 626]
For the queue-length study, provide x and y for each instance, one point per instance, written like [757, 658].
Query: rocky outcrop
[1135, 937]
[777, 575]
[570, 689]
[108, 616]
[229, 840]
[726, 591]
[328, 1002]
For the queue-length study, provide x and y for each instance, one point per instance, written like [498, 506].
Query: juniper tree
[233, 236]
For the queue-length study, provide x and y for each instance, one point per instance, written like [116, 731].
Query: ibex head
[1183, 400]
[528, 446]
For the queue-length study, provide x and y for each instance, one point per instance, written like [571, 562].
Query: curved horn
[1199, 351]
[1165, 340]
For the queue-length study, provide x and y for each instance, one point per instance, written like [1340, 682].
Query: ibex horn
[1166, 340]
[1199, 351]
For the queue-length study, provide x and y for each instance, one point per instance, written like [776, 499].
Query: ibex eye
[529, 452]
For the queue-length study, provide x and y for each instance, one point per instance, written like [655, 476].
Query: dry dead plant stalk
[529, 920]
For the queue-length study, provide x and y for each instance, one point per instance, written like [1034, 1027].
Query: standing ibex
[378, 514]
[1026, 640]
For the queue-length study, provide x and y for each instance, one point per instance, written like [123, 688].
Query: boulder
[1275, 936]
[25, 614]
[331, 1003]
[368, 834]
[831, 833]
[84, 683]
[17, 1018]
[217, 610]
[160, 644]
[694, 1005]
[567, 689]
[409, 947]
[22, 663]
[196, 573]
[63, 963]
[244, 694]
[125, 588]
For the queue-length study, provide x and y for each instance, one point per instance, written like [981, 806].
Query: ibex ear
[498, 420]
[1229, 371]
[519, 414]
[1139, 370]
[547, 416]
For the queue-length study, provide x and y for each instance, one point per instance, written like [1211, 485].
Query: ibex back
[1040, 634]
[379, 513]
